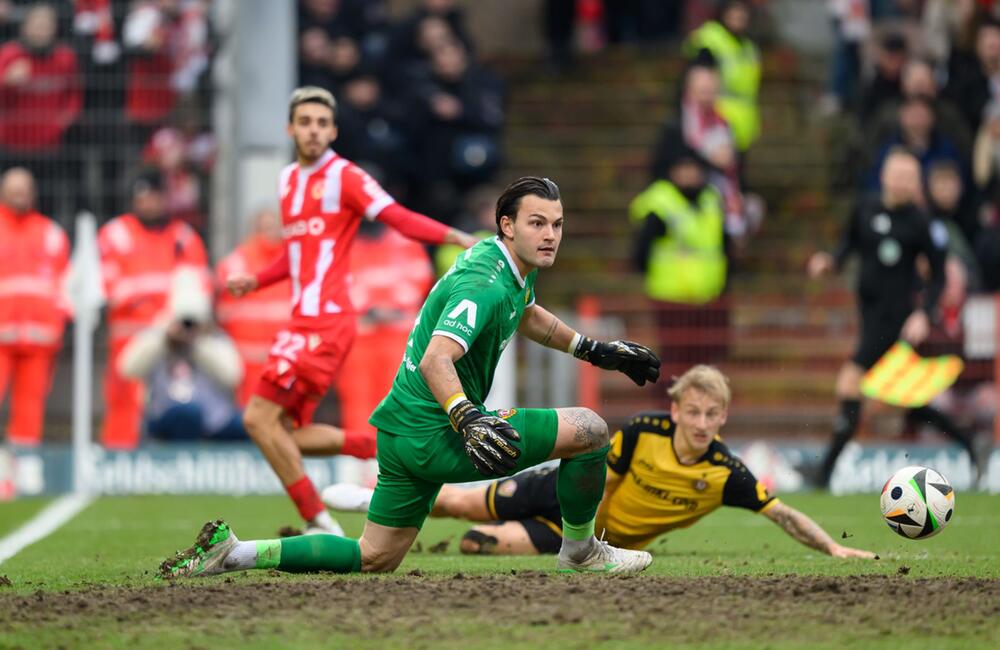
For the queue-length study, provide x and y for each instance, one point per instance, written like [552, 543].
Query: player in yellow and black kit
[666, 470]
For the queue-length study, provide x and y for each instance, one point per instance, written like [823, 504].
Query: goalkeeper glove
[636, 361]
[487, 439]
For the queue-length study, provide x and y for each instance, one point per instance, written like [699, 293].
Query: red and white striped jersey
[321, 209]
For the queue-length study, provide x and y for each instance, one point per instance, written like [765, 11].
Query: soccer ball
[917, 502]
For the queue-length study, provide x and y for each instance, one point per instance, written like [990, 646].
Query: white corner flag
[83, 285]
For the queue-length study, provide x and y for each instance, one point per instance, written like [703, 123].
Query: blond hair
[707, 379]
[311, 95]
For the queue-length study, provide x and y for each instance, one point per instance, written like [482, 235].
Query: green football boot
[206, 557]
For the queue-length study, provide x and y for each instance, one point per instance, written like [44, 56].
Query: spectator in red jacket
[167, 41]
[40, 98]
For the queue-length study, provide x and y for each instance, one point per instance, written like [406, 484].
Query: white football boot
[605, 558]
[347, 497]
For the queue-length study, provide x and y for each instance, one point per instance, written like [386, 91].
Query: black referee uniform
[889, 241]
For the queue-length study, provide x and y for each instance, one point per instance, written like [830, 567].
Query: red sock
[359, 443]
[306, 498]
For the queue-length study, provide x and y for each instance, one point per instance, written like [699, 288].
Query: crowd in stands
[91, 88]
[924, 77]
[415, 106]
[697, 214]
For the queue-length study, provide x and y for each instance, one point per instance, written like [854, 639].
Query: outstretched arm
[808, 532]
[639, 363]
[545, 328]
[241, 283]
[423, 229]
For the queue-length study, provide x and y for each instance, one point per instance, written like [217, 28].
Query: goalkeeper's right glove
[487, 439]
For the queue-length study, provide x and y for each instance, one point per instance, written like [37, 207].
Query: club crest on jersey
[506, 414]
[699, 485]
[527, 295]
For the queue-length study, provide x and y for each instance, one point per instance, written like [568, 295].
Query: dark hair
[946, 166]
[147, 180]
[894, 42]
[510, 199]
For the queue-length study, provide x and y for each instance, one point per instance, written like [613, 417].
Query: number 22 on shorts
[287, 345]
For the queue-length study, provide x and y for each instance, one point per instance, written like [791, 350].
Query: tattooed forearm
[446, 370]
[437, 367]
[801, 527]
[549, 332]
[589, 430]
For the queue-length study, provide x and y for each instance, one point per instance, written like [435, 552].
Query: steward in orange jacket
[139, 254]
[253, 320]
[34, 254]
[392, 275]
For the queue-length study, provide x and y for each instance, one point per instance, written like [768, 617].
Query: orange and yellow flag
[904, 378]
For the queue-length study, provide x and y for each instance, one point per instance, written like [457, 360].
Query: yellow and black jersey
[657, 493]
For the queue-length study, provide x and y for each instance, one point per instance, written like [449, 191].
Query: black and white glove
[487, 439]
[636, 361]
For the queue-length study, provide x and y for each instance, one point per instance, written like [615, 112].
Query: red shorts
[303, 363]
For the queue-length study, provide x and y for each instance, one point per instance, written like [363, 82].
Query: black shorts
[529, 498]
[879, 331]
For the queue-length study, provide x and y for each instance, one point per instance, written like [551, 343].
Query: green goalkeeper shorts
[411, 470]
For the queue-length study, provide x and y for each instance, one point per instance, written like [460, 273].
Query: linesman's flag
[904, 378]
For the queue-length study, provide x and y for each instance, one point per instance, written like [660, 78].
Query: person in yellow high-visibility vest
[724, 41]
[680, 245]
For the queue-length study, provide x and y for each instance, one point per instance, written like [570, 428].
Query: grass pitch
[733, 580]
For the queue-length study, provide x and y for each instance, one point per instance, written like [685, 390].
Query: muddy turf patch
[523, 608]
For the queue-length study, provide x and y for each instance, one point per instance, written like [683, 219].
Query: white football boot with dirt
[347, 497]
[605, 558]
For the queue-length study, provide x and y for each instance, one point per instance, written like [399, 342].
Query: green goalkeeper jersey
[478, 303]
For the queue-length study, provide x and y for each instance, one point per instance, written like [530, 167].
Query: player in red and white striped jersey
[323, 199]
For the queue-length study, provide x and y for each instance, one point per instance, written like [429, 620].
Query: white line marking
[43, 524]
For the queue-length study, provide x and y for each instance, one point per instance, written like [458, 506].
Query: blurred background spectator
[680, 246]
[701, 128]
[168, 47]
[973, 76]
[189, 368]
[885, 85]
[253, 320]
[724, 43]
[478, 217]
[457, 112]
[34, 254]
[392, 275]
[40, 99]
[140, 252]
[917, 132]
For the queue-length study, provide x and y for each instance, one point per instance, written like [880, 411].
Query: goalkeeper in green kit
[433, 429]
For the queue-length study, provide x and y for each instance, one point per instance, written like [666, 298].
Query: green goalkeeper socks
[579, 487]
[309, 553]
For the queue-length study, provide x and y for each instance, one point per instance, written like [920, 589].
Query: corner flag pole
[84, 288]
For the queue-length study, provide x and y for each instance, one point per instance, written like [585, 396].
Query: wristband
[453, 401]
[577, 337]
